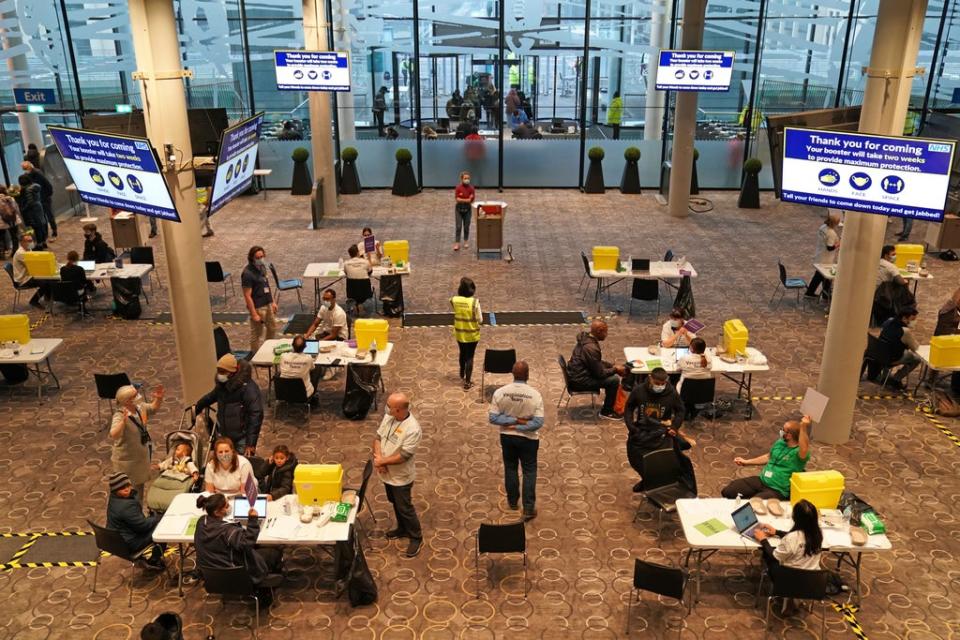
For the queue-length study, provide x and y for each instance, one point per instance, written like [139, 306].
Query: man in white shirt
[888, 270]
[673, 333]
[394, 446]
[331, 320]
[356, 268]
[517, 409]
[297, 364]
[22, 276]
[359, 288]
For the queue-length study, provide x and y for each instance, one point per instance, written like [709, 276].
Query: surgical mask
[658, 388]
[225, 458]
[260, 262]
[783, 435]
[467, 181]
[138, 399]
[222, 377]
[912, 324]
[33, 245]
[893, 258]
[676, 324]
[328, 304]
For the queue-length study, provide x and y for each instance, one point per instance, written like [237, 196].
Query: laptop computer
[745, 520]
[681, 352]
[312, 348]
[88, 265]
[639, 265]
[241, 506]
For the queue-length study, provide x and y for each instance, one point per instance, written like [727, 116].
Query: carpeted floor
[55, 456]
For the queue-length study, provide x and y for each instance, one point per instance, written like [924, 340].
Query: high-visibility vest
[465, 325]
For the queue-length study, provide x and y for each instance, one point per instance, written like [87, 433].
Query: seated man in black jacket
[95, 247]
[239, 403]
[124, 515]
[654, 414]
[588, 372]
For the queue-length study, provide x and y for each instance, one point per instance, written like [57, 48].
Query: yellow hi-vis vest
[466, 327]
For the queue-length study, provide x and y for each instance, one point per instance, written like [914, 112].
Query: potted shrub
[694, 181]
[750, 190]
[301, 185]
[594, 183]
[349, 179]
[630, 181]
[404, 180]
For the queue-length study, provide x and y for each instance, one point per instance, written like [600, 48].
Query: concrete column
[321, 136]
[342, 41]
[157, 52]
[656, 100]
[892, 67]
[685, 116]
[17, 66]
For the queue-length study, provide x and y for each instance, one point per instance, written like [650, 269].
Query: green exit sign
[124, 108]
[35, 108]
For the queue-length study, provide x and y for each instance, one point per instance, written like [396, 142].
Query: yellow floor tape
[862, 397]
[939, 424]
[14, 562]
[848, 611]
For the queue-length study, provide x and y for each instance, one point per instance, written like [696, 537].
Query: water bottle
[373, 351]
[340, 264]
[739, 498]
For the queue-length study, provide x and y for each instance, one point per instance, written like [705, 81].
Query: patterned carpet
[55, 456]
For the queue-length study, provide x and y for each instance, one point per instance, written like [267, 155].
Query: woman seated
[227, 471]
[694, 365]
[674, 333]
[799, 548]
[223, 545]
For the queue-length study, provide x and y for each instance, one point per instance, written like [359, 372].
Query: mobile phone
[335, 362]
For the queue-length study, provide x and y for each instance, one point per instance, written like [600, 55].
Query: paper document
[283, 528]
[191, 526]
[814, 404]
[711, 527]
[333, 273]
[653, 364]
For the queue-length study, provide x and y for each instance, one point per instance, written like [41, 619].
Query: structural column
[685, 116]
[17, 66]
[342, 41]
[893, 60]
[321, 130]
[656, 100]
[157, 51]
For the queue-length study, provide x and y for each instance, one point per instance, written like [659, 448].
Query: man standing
[615, 114]
[239, 403]
[393, 450]
[787, 456]
[589, 372]
[517, 409]
[379, 107]
[46, 194]
[259, 298]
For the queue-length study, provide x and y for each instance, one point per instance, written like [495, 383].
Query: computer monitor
[640, 264]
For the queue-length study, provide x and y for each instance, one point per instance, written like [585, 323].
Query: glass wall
[579, 71]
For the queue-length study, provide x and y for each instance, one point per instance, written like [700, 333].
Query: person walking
[394, 447]
[379, 107]
[46, 195]
[464, 194]
[517, 408]
[615, 114]
[259, 298]
[466, 327]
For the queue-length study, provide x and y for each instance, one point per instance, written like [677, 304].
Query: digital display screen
[241, 507]
[236, 161]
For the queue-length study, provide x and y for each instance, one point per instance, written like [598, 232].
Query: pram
[172, 483]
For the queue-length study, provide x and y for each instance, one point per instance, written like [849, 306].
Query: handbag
[620, 404]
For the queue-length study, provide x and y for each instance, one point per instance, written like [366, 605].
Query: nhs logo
[141, 145]
[942, 148]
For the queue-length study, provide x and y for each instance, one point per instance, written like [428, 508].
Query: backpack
[361, 589]
[9, 210]
[126, 297]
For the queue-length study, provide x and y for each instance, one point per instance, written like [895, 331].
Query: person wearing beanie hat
[124, 515]
[132, 446]
[239, 403]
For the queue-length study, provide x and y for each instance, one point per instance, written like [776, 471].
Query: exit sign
[35, 108]
[35, 96]
[124, 108]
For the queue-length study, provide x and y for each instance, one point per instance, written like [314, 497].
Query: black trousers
[378, 120]
[610, 384]
[402, 500]
[467, 350]
[750, 487]
[616, 131]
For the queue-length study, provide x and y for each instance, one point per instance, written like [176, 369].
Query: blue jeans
[522, 451]
[462, 214]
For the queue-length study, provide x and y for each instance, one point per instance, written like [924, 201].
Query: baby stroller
[172, 483]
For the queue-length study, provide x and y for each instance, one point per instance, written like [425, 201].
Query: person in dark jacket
[31, 210]
[124, 515]
[73, 272]
[279, 472]
[654, 415]
[222, 545]
[46, 193]
[589, 372]
[32, 155]
[379, 108]
[95, 247]
[239, 403]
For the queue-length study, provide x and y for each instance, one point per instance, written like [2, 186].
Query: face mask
[327, 304]
[33, 245]
[912, 324]
[466, 182]
[225, 458]
[260, 262]
[138, 399]
[783, 435]
[893, 258]
[222, 377]
[676, 324]
[658, 388]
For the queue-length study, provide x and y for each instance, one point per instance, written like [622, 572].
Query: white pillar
[321, 130]
[17, 66]
[342, 41]
[656, 100]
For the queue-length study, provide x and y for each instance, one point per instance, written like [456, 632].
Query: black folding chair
[786, 284]
[662, 482]
[290, 284]
[799, 584]
[112, 542]
[502, 538]
[670, 582]
[696, 392]
[362, 498]
[215, 273]
[144, 255]
[366, 376]
[233, 581]
[290, 391]
[878, 358]
[645, 290]
[570, 393]
[17, 289]
[107, 386]
[221, 343]
[586, 274]
[496, 361]
[70, 294]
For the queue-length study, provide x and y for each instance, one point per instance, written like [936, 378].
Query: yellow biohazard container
[822, 488]
[15, 327]
[945, 351]
[316, 484]
[735, 336]
[606, 258]
[397, 250]
[366, 330]
[907, 253]
[41, 263]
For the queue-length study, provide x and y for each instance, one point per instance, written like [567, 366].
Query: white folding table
[330, 274]
[659, 270]
[33, 355]
[829, 273]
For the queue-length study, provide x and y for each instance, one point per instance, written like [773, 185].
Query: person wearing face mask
[226, 471]
[21, 275]
[259, 298]
[125, 515]
[673, 333]
[897, 335]
[95, 247]
[373, 257]
[654, 414]
[331, 320]
[239, 403]
[888, 269]
[788, 455]
[587, 370]
[132, 446]
[464, 194]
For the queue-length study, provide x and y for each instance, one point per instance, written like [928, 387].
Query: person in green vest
[615, 114]
[466, 327]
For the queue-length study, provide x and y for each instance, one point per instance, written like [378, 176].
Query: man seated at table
[587, 370]
[73, 272]
[674, 333]
[897, 335]
[22, 276]
[888, 270]
[788, 455]
[297, 364]
[125, 516]
[95, 247]
[331, 320]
